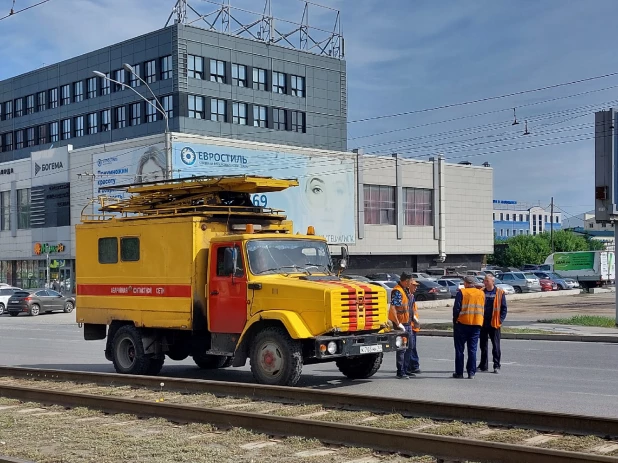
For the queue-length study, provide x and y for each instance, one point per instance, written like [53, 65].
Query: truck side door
[227, 294]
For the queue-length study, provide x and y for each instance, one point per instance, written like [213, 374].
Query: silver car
[521, 282]
[452, 285]
[387, 285]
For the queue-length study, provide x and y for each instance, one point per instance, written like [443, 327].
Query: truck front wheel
[210, 362]
[276, 359]
[128, 353]
[360, 367]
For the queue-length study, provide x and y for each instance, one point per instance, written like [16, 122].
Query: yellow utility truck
[191, 267]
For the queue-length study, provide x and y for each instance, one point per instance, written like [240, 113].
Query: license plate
[371, 349]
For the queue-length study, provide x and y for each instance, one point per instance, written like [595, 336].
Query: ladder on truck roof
[205, 195]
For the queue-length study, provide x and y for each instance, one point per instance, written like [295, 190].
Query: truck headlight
[332, 347]
[398, 341]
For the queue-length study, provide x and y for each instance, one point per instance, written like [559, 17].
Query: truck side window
[129, 249]
[220, 257]
[108, 250]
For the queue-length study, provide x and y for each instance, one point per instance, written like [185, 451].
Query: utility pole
[551, 228]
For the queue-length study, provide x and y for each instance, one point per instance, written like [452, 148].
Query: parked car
[452, 285]
[528, 267]
[423, 276]
[508, 289]
[548, 285]
[36, 301]
[431, 291]
[521, 282]
[383, 277]
[387, 285]
[560, 282]
[360, 278]
[477, 273]
[571, 283]
[5, 294]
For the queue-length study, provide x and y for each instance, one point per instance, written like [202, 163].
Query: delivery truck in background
[590, 268]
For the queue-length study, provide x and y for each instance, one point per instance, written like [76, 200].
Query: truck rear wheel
[276, 359]
[360, 367]
[210, 362]
[128, 353]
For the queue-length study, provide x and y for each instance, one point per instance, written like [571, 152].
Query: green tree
[525, 249]
[566, 241]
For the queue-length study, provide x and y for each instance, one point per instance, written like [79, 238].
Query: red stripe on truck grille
[134, 290]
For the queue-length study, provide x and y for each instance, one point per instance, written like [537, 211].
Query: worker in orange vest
[495, 313]
[467, 322]
[403, 313]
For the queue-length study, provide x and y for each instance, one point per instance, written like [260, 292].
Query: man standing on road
[467, 322]
[403, 313]
[495, 313]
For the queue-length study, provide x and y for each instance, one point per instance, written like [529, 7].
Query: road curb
[532, 337]
[510, 297]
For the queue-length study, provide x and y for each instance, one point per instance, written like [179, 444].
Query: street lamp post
[158, 107]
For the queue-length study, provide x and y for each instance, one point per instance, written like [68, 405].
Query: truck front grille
[360, 310]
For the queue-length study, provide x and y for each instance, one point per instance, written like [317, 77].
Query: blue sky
[405, 55]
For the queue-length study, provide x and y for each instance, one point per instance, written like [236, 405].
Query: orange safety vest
[472, 307]
[495, 314]
[403, 315]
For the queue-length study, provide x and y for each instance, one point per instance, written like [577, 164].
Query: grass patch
[584, 320]
[449, 327]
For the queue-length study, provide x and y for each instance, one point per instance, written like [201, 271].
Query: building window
[78, 92]
[298, 86]
[106, 120]
[53, 98]
[105, 86]
[121, 117]
[19, 139]
[546, 219]
[151, 111]
[418, 207]
[591, 225]
[92, 87]
[8, 110]
[379, 204]
[120, 76]
[65, 95]
[218, 110]
[129, 249]
[41, 101]
[108, 250]
[501, 232]
[134, 76]
[239, 113]
[298, 121]
[168, 106]
[527, 217]
[604, 225]
[30, 138]
[521, 217]
[196, 107]
[514, 217]
[166, 67]
[278, 82]
[23, 209]
[260, 116]
[19, 107]
[494, 216]
[30, 104]
[151, 71]
[195, 67]
[217, 71]
[8, 142]
[42, 134]
[53, 132]
[5, 210]
[501, 216]
[136, 113]
[507, 232]
[93, 126]
[259, 79]
[279, 119]
[508, 217]
[239, 75]
[66, 129]
[79, 126]
[556, 219]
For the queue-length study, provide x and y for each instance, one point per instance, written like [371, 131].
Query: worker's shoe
[456, 376]
[470, 376]
[483, 370]
[496, 371]
[416, 371]
[402, 376]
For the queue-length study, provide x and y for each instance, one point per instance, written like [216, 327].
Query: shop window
[108, 250]
[129, 249]
[379, 204]
[418, 206]
[23, 209]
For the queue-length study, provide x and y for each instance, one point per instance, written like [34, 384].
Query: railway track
[365, 412]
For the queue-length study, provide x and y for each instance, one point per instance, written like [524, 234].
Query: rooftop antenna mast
[180, 11]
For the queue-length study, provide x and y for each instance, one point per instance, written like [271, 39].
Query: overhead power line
[13, 12]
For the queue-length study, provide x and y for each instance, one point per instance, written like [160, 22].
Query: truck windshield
[288, 256]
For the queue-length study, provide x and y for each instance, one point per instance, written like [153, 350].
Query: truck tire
[128, 353]
[155, 367]
[228, 362]
[179, 352]
[276, 359]
[210, 362]
[360, 367]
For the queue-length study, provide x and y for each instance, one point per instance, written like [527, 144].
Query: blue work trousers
[407, 359]
[466, 335]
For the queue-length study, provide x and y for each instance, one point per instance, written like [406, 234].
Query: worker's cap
[414, 282]
[405, 276]
[472, 281]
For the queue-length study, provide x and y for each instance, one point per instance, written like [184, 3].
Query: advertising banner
[573, 261]
[122, 167]
[51, 166]
[324, 197]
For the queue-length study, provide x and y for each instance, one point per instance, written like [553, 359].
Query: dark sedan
[431, 291]
[36, 301]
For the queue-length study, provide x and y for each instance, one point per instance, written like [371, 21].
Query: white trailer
[590, 268]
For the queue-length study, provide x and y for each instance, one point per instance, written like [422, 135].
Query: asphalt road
[569, 377]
